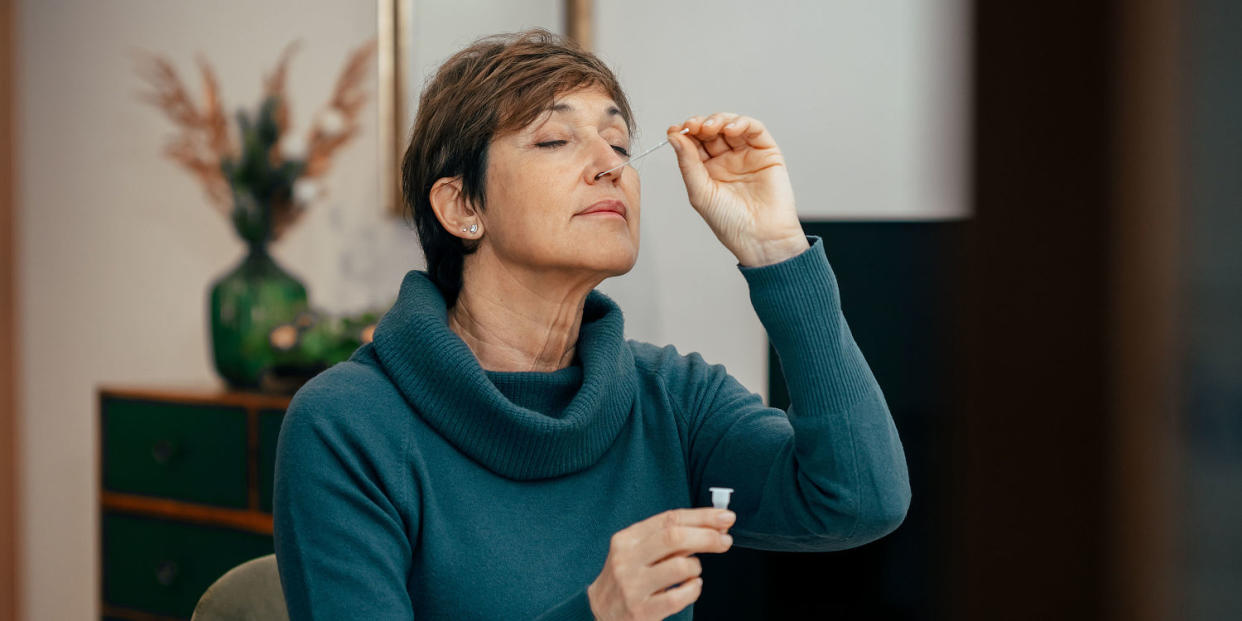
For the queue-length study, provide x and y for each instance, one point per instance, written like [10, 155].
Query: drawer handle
[163, 451]
[166, 573]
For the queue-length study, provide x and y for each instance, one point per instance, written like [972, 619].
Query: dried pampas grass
[205, 138]
[347, 102]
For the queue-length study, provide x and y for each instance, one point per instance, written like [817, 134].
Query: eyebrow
[564, 107]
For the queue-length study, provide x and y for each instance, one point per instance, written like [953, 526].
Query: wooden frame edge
[1147, 217]
[578, 19]
[395, 46]
[10, 426]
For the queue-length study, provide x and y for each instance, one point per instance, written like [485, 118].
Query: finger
[716, 146]
[694, 124]
[726, 545]
[700, 516]
[734, 132]
[671, 572]
[722, 524]
[710, 127]
[699, 150]
[709, 133]
[681, 540]
[748, 132]
[690, 158]
[674, 600]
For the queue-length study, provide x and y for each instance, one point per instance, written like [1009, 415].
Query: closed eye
[552, 144]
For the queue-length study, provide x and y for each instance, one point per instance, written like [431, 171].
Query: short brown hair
[498, 84]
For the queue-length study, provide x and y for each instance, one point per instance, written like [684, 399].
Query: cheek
[529, 220]
[518, 202]
[634, 196]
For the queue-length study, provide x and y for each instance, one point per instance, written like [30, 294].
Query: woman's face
[541, 182]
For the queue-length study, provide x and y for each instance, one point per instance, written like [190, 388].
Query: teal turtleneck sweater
[412, 483]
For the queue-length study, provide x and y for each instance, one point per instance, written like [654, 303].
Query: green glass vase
[246, 304]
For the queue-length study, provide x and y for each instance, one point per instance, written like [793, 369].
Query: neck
[514, 319]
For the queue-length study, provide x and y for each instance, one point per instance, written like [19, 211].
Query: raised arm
[828, 474]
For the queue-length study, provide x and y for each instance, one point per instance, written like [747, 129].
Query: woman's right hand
[647, 558]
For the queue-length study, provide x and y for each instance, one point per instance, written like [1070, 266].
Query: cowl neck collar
[444, 383]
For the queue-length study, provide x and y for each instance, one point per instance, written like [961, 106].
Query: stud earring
[474, 228]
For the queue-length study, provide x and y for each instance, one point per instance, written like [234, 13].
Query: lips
[605, 206]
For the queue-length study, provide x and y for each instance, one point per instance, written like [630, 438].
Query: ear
[452, 209]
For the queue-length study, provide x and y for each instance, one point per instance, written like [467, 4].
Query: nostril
[611, 170]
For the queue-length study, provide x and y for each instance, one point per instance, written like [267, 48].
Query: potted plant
[263, 181]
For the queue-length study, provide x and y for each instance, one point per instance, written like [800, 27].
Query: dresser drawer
[163, 567]
[172, 450]
[269, 431]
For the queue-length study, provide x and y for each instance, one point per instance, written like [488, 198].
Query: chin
[614, 259]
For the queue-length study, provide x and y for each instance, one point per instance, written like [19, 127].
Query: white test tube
[720, 496]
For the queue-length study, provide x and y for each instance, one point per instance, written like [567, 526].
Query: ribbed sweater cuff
[798, 302]
[576, 608]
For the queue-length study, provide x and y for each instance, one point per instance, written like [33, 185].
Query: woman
[500, 450]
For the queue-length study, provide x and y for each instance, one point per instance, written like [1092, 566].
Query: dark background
[1064, 366]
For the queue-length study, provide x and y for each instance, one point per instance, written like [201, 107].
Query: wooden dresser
[185, 492]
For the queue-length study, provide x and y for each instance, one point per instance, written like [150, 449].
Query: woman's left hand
[736, 179]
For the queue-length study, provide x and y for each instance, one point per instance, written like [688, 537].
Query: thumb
[693, 172]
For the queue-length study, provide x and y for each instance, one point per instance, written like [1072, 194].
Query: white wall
[117, 245]
[867, 100]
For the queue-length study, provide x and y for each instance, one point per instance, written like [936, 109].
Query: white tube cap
[720, 496]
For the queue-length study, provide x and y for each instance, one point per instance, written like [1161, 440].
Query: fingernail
[731, 125]
[726, 518]
[727, 540]
[709, 122]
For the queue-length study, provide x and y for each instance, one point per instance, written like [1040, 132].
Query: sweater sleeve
[341, 542]
[828, 474]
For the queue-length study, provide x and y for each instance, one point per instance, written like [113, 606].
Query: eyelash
[557, 143]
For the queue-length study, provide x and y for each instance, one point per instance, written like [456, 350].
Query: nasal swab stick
[640, 155]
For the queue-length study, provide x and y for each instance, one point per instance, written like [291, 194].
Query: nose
[607, 165]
